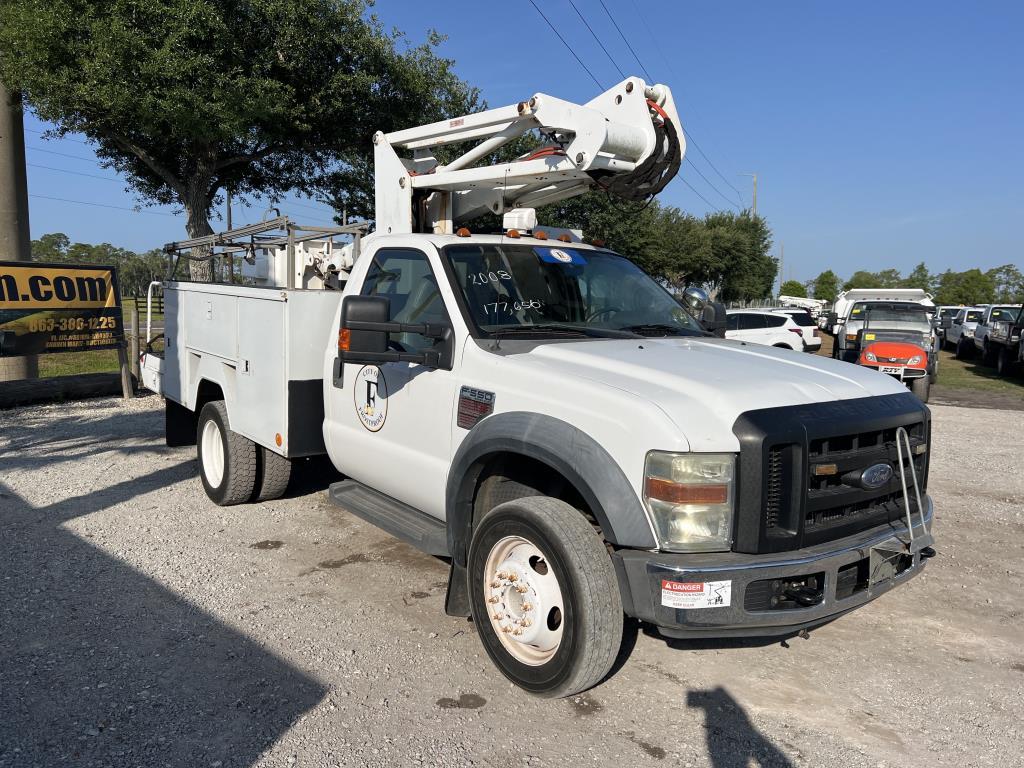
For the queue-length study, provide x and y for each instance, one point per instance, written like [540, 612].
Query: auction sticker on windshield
[560, 255]
[696, 594]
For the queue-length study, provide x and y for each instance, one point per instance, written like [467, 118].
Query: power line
[62, 138]
[706, 179]
[101, 205]
[669, 66]
[594, 35]
[567, 46]
[76, 173]
[623, 36]
[61, 154]
[701, 174]
[710, 205]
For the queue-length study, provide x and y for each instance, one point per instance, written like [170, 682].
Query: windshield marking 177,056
[563, 291]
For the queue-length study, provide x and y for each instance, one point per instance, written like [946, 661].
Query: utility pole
[229, 208]
[754, 177]
[782, 261]
[15, 243]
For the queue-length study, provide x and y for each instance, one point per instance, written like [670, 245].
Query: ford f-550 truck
[541, 411]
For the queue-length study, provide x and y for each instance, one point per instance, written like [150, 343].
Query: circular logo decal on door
[370, 393]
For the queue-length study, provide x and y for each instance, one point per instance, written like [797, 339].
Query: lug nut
[493, 599]
[498, 616]
[527, 606]
[495, 584]
[525, 623]
[506, 629]
[517, 632]
[513, 577]
[522, 589]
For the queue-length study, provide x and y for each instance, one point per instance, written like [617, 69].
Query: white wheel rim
[524, 601]
[213, 454]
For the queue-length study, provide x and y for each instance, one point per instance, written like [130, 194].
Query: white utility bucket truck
[541, 411]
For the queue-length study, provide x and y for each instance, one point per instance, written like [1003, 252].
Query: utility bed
[263, 347]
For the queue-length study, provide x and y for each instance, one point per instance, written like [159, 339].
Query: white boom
[627, 140]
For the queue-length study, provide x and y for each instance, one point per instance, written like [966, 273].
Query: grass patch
[963, 374]
[71, 363]
[973, 374]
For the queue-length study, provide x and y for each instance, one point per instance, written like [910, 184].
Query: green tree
[1008, 284]
[919, 277]
[189, 97]
[863, 279]
[825, 286]
[970, 287]
[793, 288]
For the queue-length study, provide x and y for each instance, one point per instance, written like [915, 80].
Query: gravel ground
[140, 625]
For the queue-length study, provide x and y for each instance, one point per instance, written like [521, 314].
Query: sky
[883, 134]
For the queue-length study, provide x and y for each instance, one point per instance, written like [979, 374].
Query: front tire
[227, 461]
[544, 596]
[1005, 362]
[921, 387]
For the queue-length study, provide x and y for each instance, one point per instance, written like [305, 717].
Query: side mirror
[713, 318]
[364, 336]
[946, 322]
[360, 310]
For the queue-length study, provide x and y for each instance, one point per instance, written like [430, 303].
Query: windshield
[1004, 313]
[552, 291]
[875, 312]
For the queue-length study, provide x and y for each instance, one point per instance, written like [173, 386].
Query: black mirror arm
[430, 330]
[430, 358]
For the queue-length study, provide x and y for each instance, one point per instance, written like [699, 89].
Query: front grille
[773, 489]
[784, 506]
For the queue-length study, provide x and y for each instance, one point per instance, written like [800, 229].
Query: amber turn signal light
[344, 339]
[676, 493]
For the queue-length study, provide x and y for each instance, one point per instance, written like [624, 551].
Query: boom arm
[627, 140]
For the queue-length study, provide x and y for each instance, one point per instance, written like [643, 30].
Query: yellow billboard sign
[56, 287]
[58, 308]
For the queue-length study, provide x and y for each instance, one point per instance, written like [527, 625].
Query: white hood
[703, 384]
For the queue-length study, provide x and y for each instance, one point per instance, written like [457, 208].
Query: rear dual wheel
[233, 468]
[544, 596]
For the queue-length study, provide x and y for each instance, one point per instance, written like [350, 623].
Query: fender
[575, 455]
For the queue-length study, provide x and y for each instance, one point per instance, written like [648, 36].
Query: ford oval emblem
[876, 476]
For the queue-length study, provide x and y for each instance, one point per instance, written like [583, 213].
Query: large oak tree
[190, 97]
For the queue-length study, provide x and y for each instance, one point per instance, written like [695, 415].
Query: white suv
[808, 326]
[773, 329]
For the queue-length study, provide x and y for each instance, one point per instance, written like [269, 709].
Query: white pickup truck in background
[998, 312]
[542, 412]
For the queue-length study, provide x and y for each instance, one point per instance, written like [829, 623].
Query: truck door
[396, 419]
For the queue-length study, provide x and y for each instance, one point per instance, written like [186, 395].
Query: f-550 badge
[370, 393]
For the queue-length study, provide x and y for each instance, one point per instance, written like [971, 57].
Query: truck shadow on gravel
[100, 664]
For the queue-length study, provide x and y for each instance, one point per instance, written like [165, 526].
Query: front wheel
[544, 596]
[921, 387]
[1005, 362]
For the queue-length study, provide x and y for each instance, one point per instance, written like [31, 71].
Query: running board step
[424, 532]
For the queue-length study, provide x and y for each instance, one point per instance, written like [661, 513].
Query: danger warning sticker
[696, 594]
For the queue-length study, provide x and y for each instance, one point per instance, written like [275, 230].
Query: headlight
[870, 357]
[969, 332]
[690, 497]
[914, 360]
